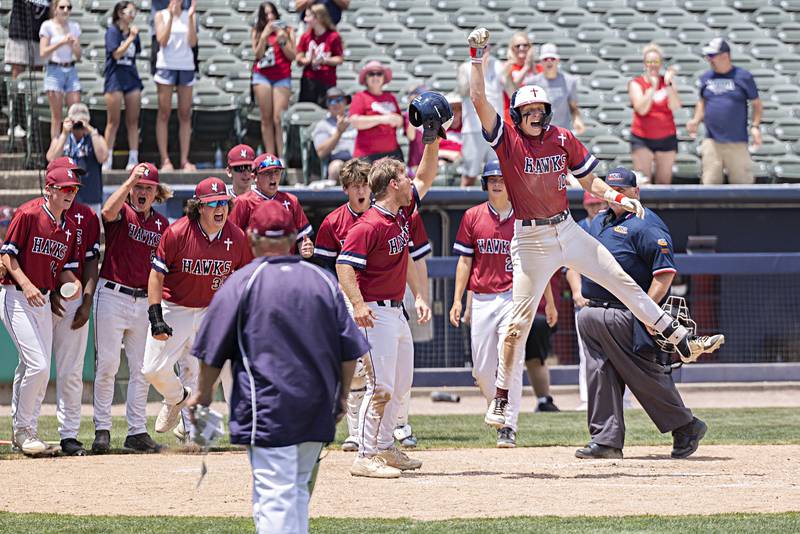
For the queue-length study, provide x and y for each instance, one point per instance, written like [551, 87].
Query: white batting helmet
[530, 94]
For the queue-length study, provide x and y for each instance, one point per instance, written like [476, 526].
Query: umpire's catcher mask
[676, 307]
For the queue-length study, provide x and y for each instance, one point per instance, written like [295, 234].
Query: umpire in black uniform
[619, 349]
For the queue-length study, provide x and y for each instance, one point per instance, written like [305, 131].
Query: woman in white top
[59, 44]
[176, 32]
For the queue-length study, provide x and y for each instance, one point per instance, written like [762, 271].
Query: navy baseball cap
[716, 46]
[492, 168]
[621, 177]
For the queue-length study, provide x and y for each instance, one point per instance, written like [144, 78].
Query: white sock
[542, 400]
[133, 156]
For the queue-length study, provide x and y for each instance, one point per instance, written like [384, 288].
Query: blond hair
[510, 54]
[652, 47]
[384, 171]
[324, 18]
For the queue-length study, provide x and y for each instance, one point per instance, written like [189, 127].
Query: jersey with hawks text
[485, 238]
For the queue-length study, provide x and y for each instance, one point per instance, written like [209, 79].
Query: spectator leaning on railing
[653, 136]
[562, 89]
[724, 93]
[334, 137]
[319, 52]
[375, 113]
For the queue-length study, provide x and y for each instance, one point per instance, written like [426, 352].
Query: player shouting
[535, 158]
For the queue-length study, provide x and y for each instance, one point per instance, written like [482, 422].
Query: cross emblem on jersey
[228, 243]
[79, 217]
[69, 234]
[158, 223]
[286, 204]
[563, 138]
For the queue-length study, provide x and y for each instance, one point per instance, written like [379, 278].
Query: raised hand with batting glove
[478, 41]
[159, 329]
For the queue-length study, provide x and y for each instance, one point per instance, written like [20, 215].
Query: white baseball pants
[31, 329]
[119, 320]
[160, 357]
[358, 387]
[536, 253]
[280, 486]
[491, 315]
[69, 349]
[390, 370]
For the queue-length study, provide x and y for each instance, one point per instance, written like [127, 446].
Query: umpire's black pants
[611, 364]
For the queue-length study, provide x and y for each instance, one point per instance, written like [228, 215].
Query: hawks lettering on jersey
[535, 168]
[487, 239]
[49, 247]
[149, 238]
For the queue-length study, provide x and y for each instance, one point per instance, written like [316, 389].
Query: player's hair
[383, 171]
[355, 172]
[510, 54]
[324, 18]
[192, 208]
[261, 244]
[163, 193]
[652, 47]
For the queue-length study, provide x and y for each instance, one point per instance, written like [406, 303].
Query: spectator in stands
[450, 148]
[476, 151]
[319, 52]
[375, 113]
[334, 137]
[562, 89]
[122, 80]
[59, 44]
[6, 214]
[334, 7]
[176, 33]
[274, 49]
[22, 46]
[724, 93]
[83, 143]
[520, 62]
[654, 97]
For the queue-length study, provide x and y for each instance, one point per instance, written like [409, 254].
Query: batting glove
[157, 324]
[478, 41]
[630, 204]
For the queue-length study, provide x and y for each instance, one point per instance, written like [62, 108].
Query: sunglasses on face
[548, 59]
[68, 189]
[653, 62]
[216, 203]
[242, 168]
[375, 73]
[521, 46]
[336, 100]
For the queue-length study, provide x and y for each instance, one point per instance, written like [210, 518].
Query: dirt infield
[464, 483]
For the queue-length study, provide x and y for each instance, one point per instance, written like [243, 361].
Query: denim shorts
[61, 79]
[174, 77]
[260, 79]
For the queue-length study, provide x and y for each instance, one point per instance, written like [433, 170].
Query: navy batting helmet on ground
[431, 111]
[492, 168]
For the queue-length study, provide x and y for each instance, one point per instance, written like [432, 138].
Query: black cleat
[506, 438]
[595, 451]
[102, 442]
[547, 405]
[686, 439]
[141, 443]
[72, 447]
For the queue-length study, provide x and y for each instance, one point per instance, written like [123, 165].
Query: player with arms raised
[536, 157]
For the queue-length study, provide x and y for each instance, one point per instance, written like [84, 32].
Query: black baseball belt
[135, 293]
[596, 303]
[42, 290]
[555, 219]
[389, 303]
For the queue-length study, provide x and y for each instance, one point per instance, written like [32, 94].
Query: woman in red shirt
[519, 63]
[653, 137]
[273, 46]
[319, 52]
[376, 115]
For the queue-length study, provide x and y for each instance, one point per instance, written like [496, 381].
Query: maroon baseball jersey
[42, 245]
[246, 203]
[535, 169]
[377, 247]
[195, 264]
[88, 234]
[485, 238]
[131, 243]
[333, 230]
[418, 245]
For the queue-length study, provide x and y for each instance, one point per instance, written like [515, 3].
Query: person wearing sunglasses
[561, 87]
[520, 62]
[319, 52]
[268, 171]
[40, 253]
[240, 170]
[194, 258]
[334, 136]
[59, 43]
[375, 113]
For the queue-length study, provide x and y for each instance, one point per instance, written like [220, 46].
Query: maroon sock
[501, 393]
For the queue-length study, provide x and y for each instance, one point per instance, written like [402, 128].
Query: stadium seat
[239, 86]
[398, 5]
[721, 17]
[612, 114]
[686, 169]
[686, 64]
[588, 98]
[221, 65]
[693, 33]
[672, 46]
[787, 169]
[439, 34]
[499, 5]
[672, 17]
[360, 49]
[651, 6]
[786, 129]
[763, 172]
[612, 50]
[642, 32]
[593, 32]
[551, 6]
[785, 94]
[216, 18]
[540, 33]
[232, 34]
[368, 17]
[242, 6]
[788, 5]
[766, 78]
[605, 79]
[244, 52]
[765, 48]
[621, 161]
[472, 17]
[98, 6]
[688, 95]
[408, 50]
[572, 17]
[401, 82]
[789, 33]
[298, 116]
[569, 48]
[787, 64]
[601, 6]
[620, 17]
[770, 17]
[425, 66]
[453, 53]
[450, 5]
[608, 147]
[773, 111]
[586, 64]
[418, 18]
[618, 94]
[389, 33]
[745, 5]
[521, 17]
[771, 148]
[443, 82]
[630, 65]
[355, 5]
[593, 129]
[744, 32]
[348, 32]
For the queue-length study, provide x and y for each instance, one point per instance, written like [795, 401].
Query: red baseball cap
[589, 199]
[265, 162]
[150, 175]
[67, 163]
[61, 177]
[241, 155]
[211, 189]
[271, 219]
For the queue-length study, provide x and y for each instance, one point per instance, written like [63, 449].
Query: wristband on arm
[476, 54]
[612, 196]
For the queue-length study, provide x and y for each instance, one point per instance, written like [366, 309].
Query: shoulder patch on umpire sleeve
[663, 242]
[621, 230]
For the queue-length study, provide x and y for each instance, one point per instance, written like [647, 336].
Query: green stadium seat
[672, 17]
[440, 34]
[408, 50]
[612, 49]
[521, 17]
[232, 34]
[770, 17]
[472, 17]
[390, 33]
[786, 129]
[789, 33]
[593, 32]
[721, 17]
[418, 18]
[771, 148]
[551, 6]
[787, 64]
[218, 17]
[788, 5]
[608, 147]
[651, 6]
[359, 49]
[572, 17]
[425, 66]
[693, 33]
[584, 65]
[619, 18]
[605, 79]
[686, 169]
[642, 32]
[613, 114]
[499, 5]
[368, 17]
[601, 6]
[766, 48]
[787, 169]
[450, 5]
[744, 32]
[785, 94]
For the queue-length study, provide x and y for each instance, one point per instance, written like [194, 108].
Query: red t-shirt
[485, 238]
[195, 266]
[381, 138]
[377, 247]
[535, 168]
[131, 243]
[43, 246]
[327, 45]
[274, 65]
[246, 204]
[88, 242]
[659, 121]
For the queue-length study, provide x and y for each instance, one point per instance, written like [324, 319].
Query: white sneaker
[170, 414]
[108, 163]
[350, 444]
[374, 467]
[30, 444]
[496, 413]
[18, 132]
[396, 458]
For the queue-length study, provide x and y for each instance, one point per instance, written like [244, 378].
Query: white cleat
[29, 444]
[374, 467]
[170, 414]
[350, 445]
[496, 413]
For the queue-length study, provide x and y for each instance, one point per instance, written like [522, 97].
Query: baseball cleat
[350, 445]
[547, 405]
[595, 451]
[409, 443]
[690, 348]
[180, 431]
[396, 458]
[506, 438]
[30, 444]
[405, 436]
[496, 413]
[72, 447]
[170, 414]
[686, 439]
[141, 443]
[102, 442]
[374, 467]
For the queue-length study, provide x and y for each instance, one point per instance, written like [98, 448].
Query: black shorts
[394, 154]
[538, 344]
[313, 91]
[666, 144]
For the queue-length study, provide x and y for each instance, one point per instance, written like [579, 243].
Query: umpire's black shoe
[141, 443]
[102, 442]
[72, 447]
[686, 439]
[547, 405]
[595, 451]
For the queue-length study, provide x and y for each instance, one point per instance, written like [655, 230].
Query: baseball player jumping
[39, 254]
[536, 158]
[133, 231]
[196, 254]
